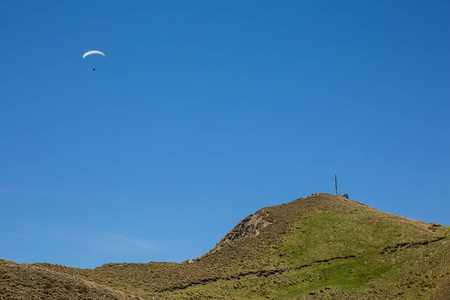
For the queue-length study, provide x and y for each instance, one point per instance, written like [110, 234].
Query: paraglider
[94, 52]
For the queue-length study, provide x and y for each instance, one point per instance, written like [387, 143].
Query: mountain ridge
[290, 250]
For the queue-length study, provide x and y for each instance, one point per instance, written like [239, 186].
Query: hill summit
[322, 246]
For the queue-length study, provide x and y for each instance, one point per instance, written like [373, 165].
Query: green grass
[324, 235]
[353, 240]
[323, 246]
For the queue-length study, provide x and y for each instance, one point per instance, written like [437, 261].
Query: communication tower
[335, 183]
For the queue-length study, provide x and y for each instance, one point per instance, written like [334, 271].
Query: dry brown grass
[322, 246]
[22, 281]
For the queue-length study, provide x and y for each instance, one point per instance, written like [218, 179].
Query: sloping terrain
[22, 281]
[322, 246]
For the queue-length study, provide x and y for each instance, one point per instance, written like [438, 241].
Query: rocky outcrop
[250, 226]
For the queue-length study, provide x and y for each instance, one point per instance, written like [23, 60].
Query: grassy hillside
[21, 281]
[322, 246]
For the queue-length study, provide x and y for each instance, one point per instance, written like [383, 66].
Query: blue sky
[203, 112]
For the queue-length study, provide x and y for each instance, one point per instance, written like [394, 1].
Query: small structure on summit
[335, 183]
[336, 187]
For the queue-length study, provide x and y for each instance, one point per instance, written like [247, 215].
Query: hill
[22, 281]
[322, 246]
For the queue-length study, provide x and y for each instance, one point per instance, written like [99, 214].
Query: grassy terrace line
[319, 247]
[260, 273]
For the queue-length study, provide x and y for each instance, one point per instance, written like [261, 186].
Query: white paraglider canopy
[93, 52]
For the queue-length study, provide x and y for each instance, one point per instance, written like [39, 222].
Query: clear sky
[204, 112]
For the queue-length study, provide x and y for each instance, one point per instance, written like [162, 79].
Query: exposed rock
[435, 226]
[250, 226]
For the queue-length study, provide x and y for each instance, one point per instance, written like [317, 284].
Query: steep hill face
[250, 226]
[322, 246]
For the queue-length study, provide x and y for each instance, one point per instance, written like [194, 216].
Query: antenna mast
[335, 183]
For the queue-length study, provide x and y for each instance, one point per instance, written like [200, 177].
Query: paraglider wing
[93, 52]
